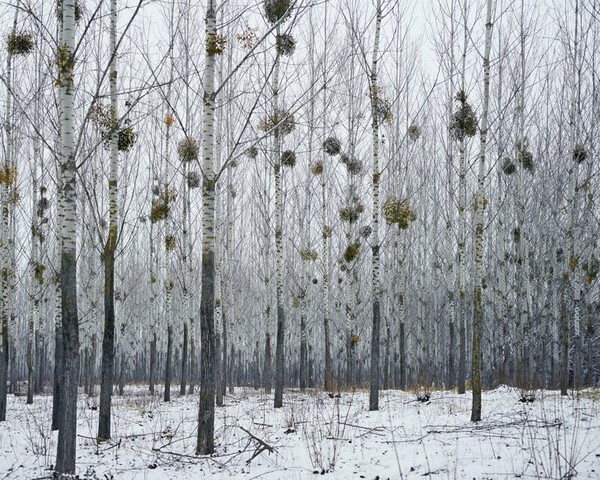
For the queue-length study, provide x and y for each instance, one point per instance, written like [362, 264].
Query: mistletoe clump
[188, 149]
[126, 139]
[78, 10]
[19, 43]
[579, 153]
[332, 146]
[309, 255]
[104, 117]
[161, 204]
[285, 44]
[170, 242]
[8, 173]
[382, 109]
[38, 272]
[316, 168]
[397, 210]
[215, 44]
[366, 231]
[508, 167]
[351, 252]
[280, 122]
[288, 158]
[464, 120]
[524, 156]
[351, 213]
[414, 132]
[193, 179]
[277, 10]
[252, 152]
[591, 269]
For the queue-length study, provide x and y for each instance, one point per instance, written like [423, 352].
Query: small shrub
[327, 231]
[332, 146]
[423, 397]
[19, 43]
[188, 149]
[285, 44]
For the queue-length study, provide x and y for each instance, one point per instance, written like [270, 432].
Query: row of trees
[385, 213]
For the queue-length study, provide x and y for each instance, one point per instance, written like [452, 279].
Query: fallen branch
[262, 446]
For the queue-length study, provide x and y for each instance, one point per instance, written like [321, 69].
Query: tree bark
[374, 379]
[205, 444]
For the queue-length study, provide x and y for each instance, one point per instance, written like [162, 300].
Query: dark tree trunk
[279, 356]
[256, 378]
[168, 364]
[303, 353]
[218, 373]
[328, 374]
[375, 354]
[267, 372]
[451, 360]
[206, 425]
[386, 362]
[67, 431]
[108, 343]
[589, 381]
[224, 350]
[402, 349]
[57, 384]
[184, 360]
[462, 351]
[231, 371]
[152, 363]
[192, 376]
[122, 374]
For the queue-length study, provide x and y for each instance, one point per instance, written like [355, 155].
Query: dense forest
[333, 194]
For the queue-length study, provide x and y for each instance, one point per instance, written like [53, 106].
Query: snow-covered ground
[314, 434]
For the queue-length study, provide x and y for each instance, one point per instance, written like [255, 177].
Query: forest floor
[313, 435]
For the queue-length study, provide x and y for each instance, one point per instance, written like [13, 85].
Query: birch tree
[65, 81]
[480, 206]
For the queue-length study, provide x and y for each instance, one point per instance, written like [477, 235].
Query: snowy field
[315, 435]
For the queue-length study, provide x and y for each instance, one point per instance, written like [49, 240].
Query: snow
[316, 435]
